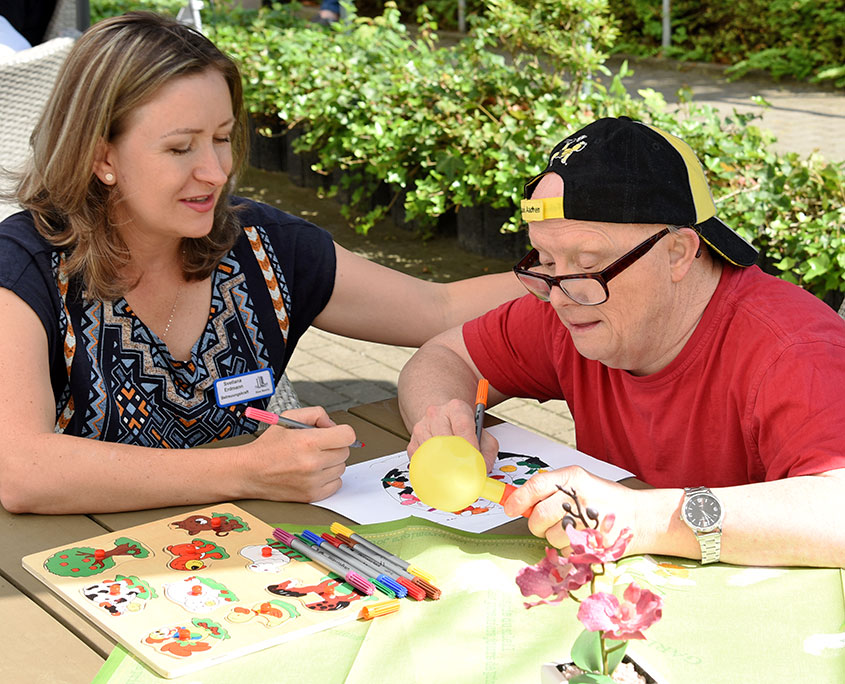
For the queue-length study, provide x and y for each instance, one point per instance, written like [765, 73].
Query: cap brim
[726, 243]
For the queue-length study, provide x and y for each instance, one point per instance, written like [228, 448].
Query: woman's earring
[109, 178]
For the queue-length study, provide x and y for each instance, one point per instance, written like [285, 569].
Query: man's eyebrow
[194, 131]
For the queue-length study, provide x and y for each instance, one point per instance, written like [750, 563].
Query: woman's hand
[285, 464]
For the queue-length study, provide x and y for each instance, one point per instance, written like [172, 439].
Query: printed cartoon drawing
[517, 468]
[219, 523]
[199, 594]
[138, 586]
[270, 613]
[264, 557]
[194, 555]
[293, 554]
[512, 468]
[84, 561]
[329, 600]
[182, 641]
[120, 595]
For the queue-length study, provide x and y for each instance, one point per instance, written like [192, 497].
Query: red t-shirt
[757, 393]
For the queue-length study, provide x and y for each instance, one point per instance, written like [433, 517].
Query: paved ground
[336, 372]
[804, 118]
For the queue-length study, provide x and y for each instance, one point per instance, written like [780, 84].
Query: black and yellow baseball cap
[625, 171]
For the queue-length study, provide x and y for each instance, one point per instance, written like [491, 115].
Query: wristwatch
[702, 512]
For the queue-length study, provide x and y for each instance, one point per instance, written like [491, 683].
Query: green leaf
[591, 678]
[586, 651]
[614, 657]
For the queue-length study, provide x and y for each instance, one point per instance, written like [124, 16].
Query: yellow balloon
[449, 474]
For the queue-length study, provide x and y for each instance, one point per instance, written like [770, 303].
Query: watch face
[702, 511]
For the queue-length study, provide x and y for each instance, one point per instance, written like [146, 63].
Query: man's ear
[685, 246]
[103, 167]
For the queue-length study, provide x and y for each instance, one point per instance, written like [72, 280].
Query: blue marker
[374, 574]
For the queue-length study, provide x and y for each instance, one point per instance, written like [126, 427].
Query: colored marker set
[364, 565]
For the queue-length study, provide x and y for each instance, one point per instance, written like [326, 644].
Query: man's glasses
[589, 289]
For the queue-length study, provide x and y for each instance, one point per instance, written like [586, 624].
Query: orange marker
[99, 554]
[480, 407]
[216, 523]
[114, 589]
[266, 551]
[196, 590]
[375, 610]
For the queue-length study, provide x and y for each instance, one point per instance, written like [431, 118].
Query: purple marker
[320, 557]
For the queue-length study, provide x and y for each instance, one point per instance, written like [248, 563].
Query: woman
[135, 285]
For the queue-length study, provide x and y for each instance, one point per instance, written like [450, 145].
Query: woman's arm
[375, 303]
[45, 472]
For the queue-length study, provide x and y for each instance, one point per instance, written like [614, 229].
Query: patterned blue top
[113, 378]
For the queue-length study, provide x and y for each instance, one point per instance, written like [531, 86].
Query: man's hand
[454, 418]
[604, 496]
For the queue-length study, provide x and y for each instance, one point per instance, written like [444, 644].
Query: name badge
[239, 389]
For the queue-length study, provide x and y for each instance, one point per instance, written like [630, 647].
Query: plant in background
[457, 126]
[610, 622]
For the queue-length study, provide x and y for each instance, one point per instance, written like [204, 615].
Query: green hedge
[467, 125]
[802, 39]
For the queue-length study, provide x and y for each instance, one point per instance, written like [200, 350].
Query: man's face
[629, 330]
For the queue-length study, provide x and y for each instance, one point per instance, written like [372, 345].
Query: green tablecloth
[720, 624]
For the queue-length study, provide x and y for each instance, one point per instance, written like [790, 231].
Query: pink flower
[621, 620]
[595, 546]
[552, 576]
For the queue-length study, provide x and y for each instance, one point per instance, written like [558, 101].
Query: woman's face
[173, 160]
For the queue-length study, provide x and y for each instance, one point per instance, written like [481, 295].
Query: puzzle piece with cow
[188, 591]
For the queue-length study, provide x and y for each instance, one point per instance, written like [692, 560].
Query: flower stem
[604, 653]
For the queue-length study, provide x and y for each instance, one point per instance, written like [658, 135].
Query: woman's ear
[102, 167]
[683, 250]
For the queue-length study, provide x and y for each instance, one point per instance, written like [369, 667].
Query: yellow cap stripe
[705, 208]
[719, 251]
[542, 209]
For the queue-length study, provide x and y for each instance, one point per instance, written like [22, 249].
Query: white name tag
[239, 389]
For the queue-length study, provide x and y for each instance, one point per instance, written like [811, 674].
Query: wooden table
[46, 641]
[57, 645]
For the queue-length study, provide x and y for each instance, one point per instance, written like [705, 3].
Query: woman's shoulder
[281, 227]
[19, 238]
[251, 212]
[20, 229]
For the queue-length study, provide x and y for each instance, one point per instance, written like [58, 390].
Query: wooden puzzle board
[186, 592]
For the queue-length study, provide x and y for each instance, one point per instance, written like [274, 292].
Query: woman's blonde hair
[116, 66]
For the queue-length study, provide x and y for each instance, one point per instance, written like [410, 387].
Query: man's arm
[437, 391]
[793, 521]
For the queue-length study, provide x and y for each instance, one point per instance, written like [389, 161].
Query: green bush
[467, 125]
[796, 38]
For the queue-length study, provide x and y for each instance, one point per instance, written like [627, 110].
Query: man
[680, 360]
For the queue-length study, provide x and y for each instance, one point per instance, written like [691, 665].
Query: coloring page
[380, 490]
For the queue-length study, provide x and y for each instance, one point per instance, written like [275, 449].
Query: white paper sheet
[378, 490]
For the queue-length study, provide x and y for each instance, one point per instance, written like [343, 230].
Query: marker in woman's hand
[275, 419]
